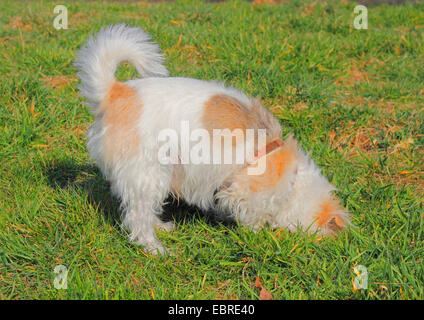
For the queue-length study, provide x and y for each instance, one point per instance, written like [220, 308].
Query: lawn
[353, 98]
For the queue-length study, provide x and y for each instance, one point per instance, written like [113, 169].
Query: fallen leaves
[263, 293]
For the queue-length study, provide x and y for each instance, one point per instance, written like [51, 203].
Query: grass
[354, 99]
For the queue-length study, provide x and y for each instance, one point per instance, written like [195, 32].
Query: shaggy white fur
[124, 142]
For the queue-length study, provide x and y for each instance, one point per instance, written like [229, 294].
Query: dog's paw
[152, 247]
[165, 226]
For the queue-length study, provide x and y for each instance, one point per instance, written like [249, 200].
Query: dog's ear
[278, 163]
[335, 224]
[331, 216]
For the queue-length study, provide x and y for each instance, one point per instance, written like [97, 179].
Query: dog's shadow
[88, 179]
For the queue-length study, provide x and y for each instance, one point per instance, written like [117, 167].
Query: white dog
[124, 140]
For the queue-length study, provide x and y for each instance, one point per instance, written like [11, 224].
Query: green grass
[354, 99]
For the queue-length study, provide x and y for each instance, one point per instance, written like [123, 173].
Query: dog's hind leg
[143, 210]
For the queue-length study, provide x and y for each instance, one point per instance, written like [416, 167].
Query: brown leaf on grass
[265, 295]
[33, 113]
[406, 172]
[258, 283]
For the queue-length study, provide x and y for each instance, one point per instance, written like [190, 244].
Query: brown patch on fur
[225, 112]
[121, 111]
[277, 164]
[327, 216]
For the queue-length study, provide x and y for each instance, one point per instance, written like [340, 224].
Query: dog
[290, 191]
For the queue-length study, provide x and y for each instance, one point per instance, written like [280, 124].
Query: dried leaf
[258, 283]
[265, 295]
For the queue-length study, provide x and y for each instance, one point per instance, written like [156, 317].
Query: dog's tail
[98, 59]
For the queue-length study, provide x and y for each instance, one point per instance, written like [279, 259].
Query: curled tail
[98, 59]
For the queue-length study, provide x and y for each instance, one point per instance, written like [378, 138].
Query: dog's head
[291, 192]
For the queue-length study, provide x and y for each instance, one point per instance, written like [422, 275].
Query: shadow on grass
[87, 178]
